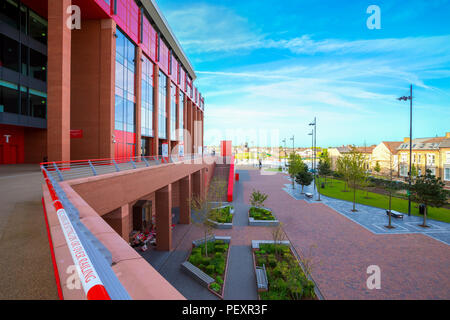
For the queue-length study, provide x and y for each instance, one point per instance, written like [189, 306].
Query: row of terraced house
[427, 153]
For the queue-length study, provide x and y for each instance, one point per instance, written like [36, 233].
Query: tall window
[162, 114]
[147, 98]
[447, 174]
[181, 115]
[125, 54]
[173, 111]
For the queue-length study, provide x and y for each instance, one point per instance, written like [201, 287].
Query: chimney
[406, 140]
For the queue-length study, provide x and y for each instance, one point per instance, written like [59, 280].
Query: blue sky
[267, 68]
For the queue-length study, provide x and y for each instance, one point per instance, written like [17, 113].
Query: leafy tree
[377, 167]
[203, 207]
[429, 190]
[414, 171]
[342, 168]
[304, 178]
[295, 166]
[356, 171]
[390, 186]
[258, 198]
[324, 167]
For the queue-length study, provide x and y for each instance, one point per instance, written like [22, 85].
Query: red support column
[58, 81]
[155, 109]
[185, 199]
[138, 87]
[163, 203]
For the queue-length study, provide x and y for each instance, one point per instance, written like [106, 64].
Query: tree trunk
[206, 244]
[302, 189]
[425, 216]
[354, 197]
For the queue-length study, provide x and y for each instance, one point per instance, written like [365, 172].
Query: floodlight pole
[410, 98]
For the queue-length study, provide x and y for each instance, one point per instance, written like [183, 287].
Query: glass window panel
[9, 12]
[9, 53]
[38, 65]
[38, 106]
[38, 27]
[9, 99]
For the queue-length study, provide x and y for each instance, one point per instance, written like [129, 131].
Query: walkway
[375, 219]
[25, 264]
[413, 265]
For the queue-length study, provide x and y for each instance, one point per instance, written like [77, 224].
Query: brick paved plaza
[413, 265]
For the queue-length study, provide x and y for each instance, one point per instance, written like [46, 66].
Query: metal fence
[68, 170]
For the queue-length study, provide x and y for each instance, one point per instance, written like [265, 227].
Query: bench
[309, 195]
[395, 214]
[198, 275]
[261, 278]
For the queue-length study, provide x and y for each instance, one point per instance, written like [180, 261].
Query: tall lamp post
[293, 148]
[314, 146]
[284, 141]
[410, 98]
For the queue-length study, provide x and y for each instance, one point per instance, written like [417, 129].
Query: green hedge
[287, 280]
[261, 214]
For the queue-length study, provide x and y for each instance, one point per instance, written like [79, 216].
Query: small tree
[257, 198]
[295, 166]
[390, 188]
[356, 171]
[278, 236]
[203, 207]
[377, 167]
[429, 190]
[324, 167]
[304, 178]
[342, 168]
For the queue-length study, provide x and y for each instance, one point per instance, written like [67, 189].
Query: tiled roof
[367, 149]
[423, 144]
[392, 145]
[445, 143]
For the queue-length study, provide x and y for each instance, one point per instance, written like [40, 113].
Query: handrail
[231, 181]
[73, 169]
[90, 280]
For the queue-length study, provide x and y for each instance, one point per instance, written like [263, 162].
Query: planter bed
[286, 279]
[210, 271]
[225, 218]
[262, 217]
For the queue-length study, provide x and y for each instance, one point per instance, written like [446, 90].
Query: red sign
[76, 134]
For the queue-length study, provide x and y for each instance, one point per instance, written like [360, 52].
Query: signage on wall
[76, 134]
[165, 149]
[181, 149]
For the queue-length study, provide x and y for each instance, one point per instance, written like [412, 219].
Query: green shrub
[201, 267]
[215, 287]
[218, 255]
[220, 268]
[206, 260]
[219, 280]
[272, 262]
[210, 269]
[218, 242]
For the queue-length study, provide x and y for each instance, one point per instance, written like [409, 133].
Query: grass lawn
[334, 190]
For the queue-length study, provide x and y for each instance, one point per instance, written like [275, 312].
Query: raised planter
[262, 223]
[202, 277]
[225, 225]
[256, 247]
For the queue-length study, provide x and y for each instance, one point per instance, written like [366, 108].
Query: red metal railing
[92, 285]
[231, 181]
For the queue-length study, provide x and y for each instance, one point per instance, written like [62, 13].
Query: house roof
[366, 149]
[392, 145]
[445, 143]
[423, 144]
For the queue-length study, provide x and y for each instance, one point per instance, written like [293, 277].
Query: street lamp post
[293, 148]
[410, 98]
[314, 146]
[284, 141]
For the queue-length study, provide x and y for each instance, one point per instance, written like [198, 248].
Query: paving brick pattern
[413, 265]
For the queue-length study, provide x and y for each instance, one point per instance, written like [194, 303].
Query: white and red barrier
[90, 280]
